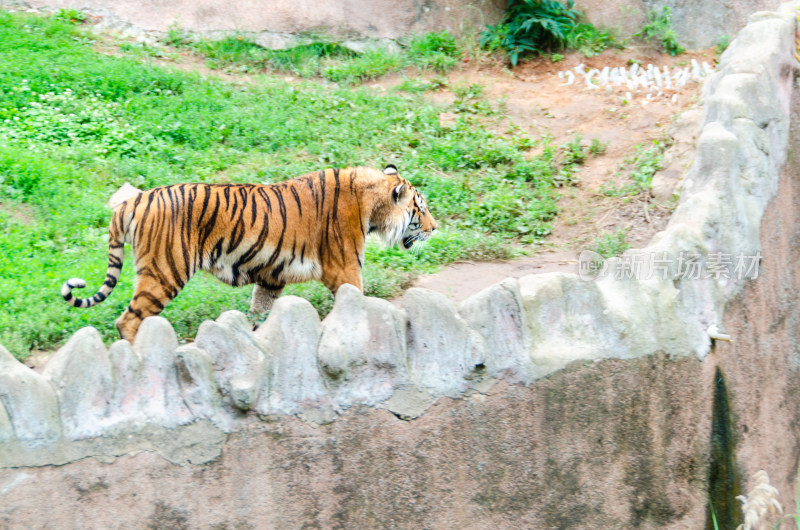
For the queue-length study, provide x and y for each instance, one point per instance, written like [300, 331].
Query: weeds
[321, 57]
[589, 40]
[659, 29]
[642, 166]
[612, 244]
[532, 26]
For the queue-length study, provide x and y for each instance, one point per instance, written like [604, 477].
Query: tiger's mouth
[408, 241]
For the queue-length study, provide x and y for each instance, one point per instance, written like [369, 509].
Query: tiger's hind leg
[149, 300]
[264, 295]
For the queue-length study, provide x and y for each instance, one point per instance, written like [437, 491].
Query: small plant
[659, 29]
[471, 99]
[589, 40]
[435, 51]
[531, 26]
[73, 16]
[722, 44]
[646, 162]
[611, 244]
[177, 36]
[597, 147]
[556, 57]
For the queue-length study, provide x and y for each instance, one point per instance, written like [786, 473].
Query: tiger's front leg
[264, 295]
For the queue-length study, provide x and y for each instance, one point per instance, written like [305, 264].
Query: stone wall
[552, 400]
[697, 23]
[282, 23]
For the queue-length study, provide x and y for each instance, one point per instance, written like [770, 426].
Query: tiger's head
[411, 220]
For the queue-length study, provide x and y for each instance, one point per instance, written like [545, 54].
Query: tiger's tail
[116, 253]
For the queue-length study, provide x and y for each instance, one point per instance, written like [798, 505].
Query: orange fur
[312, 227]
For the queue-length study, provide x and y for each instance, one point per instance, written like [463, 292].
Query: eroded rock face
[443, 352]
[30, 403]
[81, 373]
[362, 348]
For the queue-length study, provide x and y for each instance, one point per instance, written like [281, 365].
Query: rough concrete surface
[282, 23]
[279, 23]
[697, 23]
[548, 401]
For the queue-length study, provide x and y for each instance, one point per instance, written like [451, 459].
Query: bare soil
[538, 102]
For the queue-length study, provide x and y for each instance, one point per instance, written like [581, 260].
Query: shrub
[659, 29]
[532, 26]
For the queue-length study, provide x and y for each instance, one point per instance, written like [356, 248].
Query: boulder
[159, 394]
[443, 352]
[291, 335]
[362, 348]
[239, 358]
[29, 402]
[498, 315]
[81, 374]
[198, 387]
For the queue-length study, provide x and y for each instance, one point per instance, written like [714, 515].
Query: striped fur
[312, 227]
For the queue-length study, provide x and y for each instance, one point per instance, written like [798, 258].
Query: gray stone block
[81, 374]
[362, 348]
[443, 352]
[498, 315]
[30, 403]
[291, 335]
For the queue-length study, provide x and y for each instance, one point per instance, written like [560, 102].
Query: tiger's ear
[398, 192]
[391, 169]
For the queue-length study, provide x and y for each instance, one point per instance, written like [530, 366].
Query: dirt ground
[539, 103]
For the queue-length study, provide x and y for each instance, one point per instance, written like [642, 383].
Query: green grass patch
[75, 125]
[320, 57]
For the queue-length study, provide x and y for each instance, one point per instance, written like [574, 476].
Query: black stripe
[297, 200]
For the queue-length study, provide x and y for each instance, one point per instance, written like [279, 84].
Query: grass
[322, 58]
[75, 125]
[659, 30]
[641, 168]
[612, 244]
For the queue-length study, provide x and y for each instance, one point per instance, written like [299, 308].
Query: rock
[409, 402]
[6, 428]
[237, 355]
[198, 387]
[443, 352]
[30, 403]
[159, 394]
[498, 315]
[362, 348]
[291, 334]
[81, 374]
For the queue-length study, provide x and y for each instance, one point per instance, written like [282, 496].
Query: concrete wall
[697, 23]
[282, 23]
[548, 401]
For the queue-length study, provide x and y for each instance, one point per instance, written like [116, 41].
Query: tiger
[311, 227]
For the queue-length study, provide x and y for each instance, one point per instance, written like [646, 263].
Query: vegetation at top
[536, 27]
[437, 52]
[659, 30]
[541, 26]
[76, 124]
